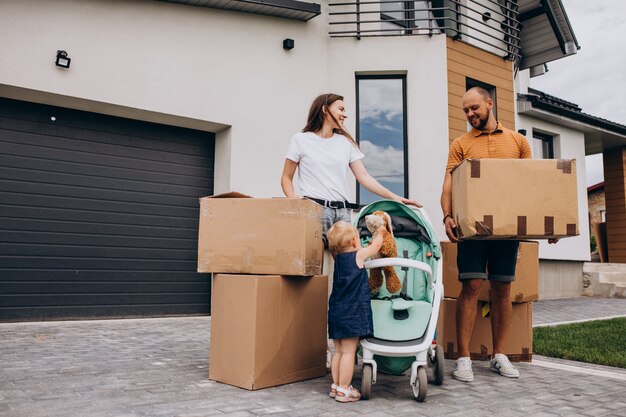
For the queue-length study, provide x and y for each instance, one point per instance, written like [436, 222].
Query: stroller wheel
[366, 381]
[420, 387]
[438, 365]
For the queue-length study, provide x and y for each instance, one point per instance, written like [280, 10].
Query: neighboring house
[597, 204]
[560, 129]
[102, 163]
[597, 221]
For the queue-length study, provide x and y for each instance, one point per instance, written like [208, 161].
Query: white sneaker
[463, 370]
[501, 364]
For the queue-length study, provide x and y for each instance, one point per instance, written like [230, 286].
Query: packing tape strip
[485, 309]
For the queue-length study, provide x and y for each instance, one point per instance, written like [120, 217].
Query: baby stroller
[404, 323]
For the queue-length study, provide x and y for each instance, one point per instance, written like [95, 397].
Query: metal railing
[488, 24]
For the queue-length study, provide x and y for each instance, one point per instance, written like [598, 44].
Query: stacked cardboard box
[524, 290]
[268, 297]
[507, 199]
[518, 347]
[242, 235]
[515, 198]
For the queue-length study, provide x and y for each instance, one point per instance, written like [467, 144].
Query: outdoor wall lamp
[288, 44]
[62, 60]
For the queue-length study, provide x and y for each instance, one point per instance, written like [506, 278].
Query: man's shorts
[482, 259]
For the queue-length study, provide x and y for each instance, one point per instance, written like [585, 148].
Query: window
[381, 130]
[543, 147]
[399, 13]
[449, 16]
[470, 82]
[406, 14]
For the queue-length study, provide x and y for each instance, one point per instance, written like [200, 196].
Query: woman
[323, 152]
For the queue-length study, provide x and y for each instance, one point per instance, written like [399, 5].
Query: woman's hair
[340, 236]
[315, 121]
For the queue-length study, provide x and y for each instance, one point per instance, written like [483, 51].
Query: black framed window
[470, 82]
[382, 132]
[543, 146]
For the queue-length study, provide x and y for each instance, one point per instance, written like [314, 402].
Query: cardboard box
[267, 330]
[515, 198]
[525, 287]
[519, 347]
[274, 236]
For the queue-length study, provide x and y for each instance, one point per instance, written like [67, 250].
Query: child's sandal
[333, 391]
[347, 395]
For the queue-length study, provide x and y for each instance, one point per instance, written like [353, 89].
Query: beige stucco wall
[188, 66]
[423, 60]
[218, 71]
[560, 279]
[227, 72]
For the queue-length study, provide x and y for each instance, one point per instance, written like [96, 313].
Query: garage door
[99, 215]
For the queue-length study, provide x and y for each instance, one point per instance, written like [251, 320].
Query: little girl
[349, 309]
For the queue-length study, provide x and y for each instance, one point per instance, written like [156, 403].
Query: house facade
[597, 203]
[115, 117]
[558, 127]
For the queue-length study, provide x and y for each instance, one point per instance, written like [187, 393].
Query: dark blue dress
[349, 308]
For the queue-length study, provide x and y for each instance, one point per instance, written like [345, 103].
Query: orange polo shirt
[501, 143]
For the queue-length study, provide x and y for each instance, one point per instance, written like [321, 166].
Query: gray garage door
[99, 215]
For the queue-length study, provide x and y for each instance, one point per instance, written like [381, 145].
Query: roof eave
[564, 43]
[599, 134]
[287, 9]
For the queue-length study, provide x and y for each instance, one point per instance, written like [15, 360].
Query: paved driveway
[158, 367]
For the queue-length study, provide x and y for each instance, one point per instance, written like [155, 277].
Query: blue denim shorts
[482, 259]
[331, 216]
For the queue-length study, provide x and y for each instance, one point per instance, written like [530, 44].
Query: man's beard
[483, 122]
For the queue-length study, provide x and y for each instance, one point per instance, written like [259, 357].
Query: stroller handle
[402, 262]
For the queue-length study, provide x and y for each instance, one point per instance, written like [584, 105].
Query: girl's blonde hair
[340, 236]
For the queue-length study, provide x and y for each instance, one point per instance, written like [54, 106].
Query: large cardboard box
[515, 198]
[267, 330]
[525, 287]
[519, 347]
[274, 236]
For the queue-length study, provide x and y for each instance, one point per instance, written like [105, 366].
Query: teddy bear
[374, 221]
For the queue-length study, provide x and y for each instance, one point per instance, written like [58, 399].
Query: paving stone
[573, 309]
[159, 367]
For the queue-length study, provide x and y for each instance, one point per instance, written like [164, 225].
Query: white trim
[579, 321]
[580, 369]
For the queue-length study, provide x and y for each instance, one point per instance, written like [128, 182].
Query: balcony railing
[488, 24]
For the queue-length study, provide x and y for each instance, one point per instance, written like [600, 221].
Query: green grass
[602, 342]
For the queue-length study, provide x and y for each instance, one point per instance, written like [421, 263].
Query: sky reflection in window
[381, 134]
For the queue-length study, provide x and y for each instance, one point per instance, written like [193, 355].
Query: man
[487, 139]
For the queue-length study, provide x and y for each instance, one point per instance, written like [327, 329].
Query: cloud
[385, 163]
[385, 126]
[380, 98]
[594, 78]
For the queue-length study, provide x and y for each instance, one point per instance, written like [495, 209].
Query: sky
[595, 77]
[382, 133]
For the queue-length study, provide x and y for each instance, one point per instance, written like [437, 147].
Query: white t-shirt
[323, 164]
